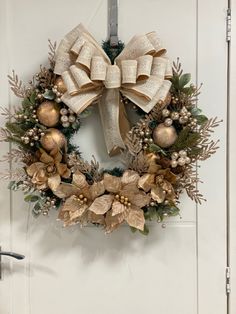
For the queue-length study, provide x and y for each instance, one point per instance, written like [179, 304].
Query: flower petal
[34, 168]
[61, 169]
[113, 222]
[112, 183]
[97, 189]
[54, 182]
[101, 204]
[57, 156]
[66, 190]
[71, 204]
[152, 162]
[139, 199]
[135, 218]
[129, 190]
[117, 208]
[129, 176]
[72, 211]
[167, 186]
[45, 158]
[94, 218]
[66, 174]
[146, 182]
[158, 194]
[168, 175]
[79, 180]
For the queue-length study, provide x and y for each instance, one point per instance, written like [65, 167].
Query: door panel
[82, 270]
[211, 215]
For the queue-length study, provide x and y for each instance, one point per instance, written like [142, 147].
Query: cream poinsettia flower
[127, 202]
[49, 170]
[79, 195]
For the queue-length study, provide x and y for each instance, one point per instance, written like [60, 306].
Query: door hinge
[228, 286]
[228, 25]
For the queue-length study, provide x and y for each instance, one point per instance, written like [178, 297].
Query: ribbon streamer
[140, 73]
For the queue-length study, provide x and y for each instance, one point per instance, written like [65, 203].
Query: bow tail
[114, 120]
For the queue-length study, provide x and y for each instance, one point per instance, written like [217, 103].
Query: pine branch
[17, 86]
[189, 182]
[133, 144]
[52, 53]
[91, 170]
[137, 162]
[4, 134]
[208, 146]
[18, 174]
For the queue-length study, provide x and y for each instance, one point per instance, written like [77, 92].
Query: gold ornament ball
[61, 87]
[53, 138]
[164, 136]
[48, 113]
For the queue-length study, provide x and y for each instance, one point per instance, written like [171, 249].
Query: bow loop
[98, 69]
[129, 71]
[113, 77]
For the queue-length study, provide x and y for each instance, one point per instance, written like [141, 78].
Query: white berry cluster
[68, 117]
[183, 117]
[179, 159]
[57, 93]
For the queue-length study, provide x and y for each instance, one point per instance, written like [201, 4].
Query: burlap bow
[140, 73]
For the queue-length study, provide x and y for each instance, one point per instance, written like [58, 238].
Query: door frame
[232, 180]
[231, 175]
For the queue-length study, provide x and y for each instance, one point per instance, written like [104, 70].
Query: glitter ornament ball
[60, 85]
[164, 136]
[48, 113]
[53, 138]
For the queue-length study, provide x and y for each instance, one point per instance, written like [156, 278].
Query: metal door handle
[10, 254]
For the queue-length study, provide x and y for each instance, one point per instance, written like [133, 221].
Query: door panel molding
[232, 161]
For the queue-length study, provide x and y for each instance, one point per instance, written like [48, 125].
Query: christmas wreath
[159, 152]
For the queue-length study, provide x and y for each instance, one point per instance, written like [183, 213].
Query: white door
[179, 269]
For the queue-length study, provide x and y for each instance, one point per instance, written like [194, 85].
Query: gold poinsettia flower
[160, 184]
[127, 202]
[79, 195]
[109, 202]
[49, 170]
